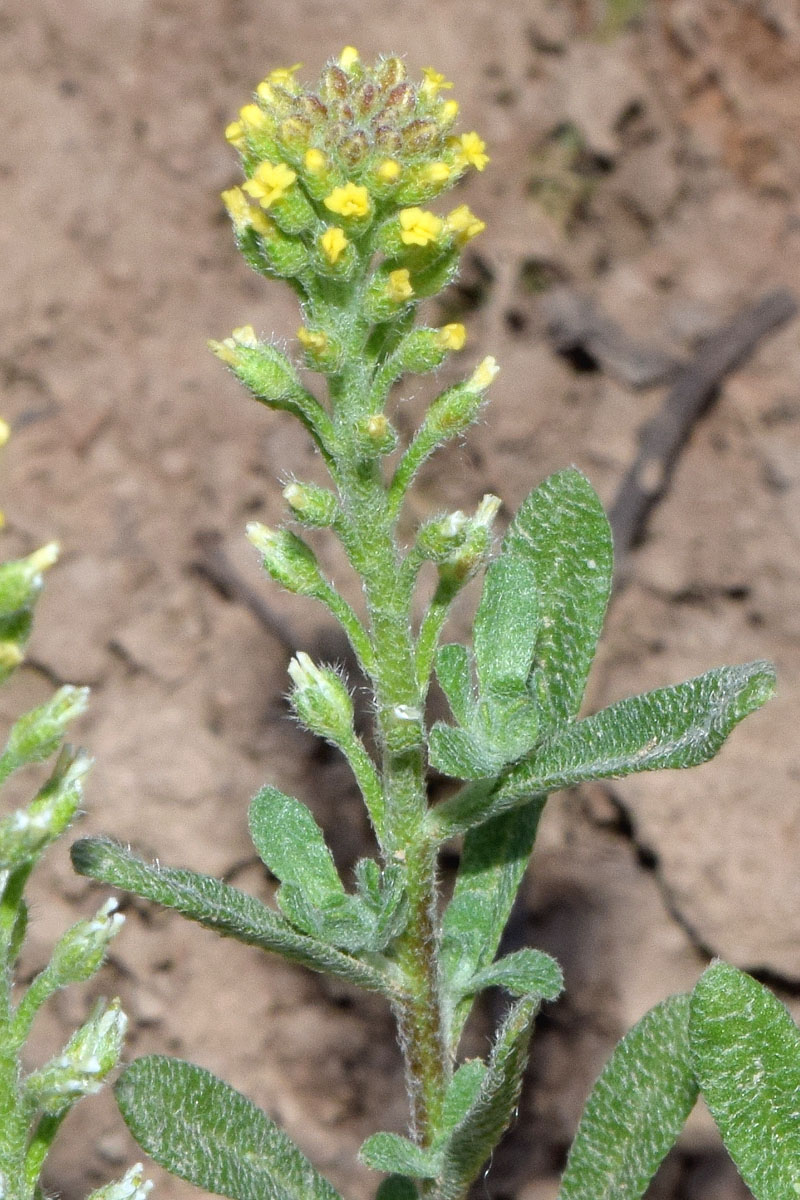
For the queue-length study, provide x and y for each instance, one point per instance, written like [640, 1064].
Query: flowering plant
[338, 179]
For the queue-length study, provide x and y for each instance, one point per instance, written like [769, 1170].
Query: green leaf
[472, 1140]
[746, 1054]
[462, 1092]
[524, 973]
[493, 860]
[397, 1187]
[458, 753]
[636, 1109]
[205, 1132]
[453, 671]
[679, 726]
[223, 908]
[505, 629]
[562, 532]
[397, 1155]
[290, 842]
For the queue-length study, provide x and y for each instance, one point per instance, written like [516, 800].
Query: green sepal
[82, 1066]
[225, 909]
[205, 1132]
[673, 727]
[746, 1055]
[398, 1156]
[636, 1109]
[526, 972]
[472, 1140]
[291, 844]
[39, 733]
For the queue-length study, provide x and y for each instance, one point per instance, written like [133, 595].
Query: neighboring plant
[33, 1105]
[336, 177]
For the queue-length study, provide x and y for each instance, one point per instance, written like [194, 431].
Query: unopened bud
[25, 833]
[79, 953]
[288, 559]
[439, 539]
[90, 1054]
[132, 1186]
[261, 367]
[310, 504]
[321, 700]
[483, 374]
[375, 435]
[38, 734]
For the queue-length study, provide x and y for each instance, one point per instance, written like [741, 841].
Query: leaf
[493, 860]
[462, 1092]
[397, 1187]
[746, 1054]
[205, 1132]
[220, 907]
[474, 1137]
[636, 1109]
[454, 675]
[526, 972]
[290, 842]
[679, 726]
[504, 633]
[458, 753]
[397, 1155]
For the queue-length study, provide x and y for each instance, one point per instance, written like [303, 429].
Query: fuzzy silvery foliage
[338, 179]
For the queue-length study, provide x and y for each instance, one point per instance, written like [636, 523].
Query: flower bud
[21, 580]
[38, 734]
[261, 367]
[90, 1054]
[288, 559]
[321, 700]
[310, 504]
[26, 832]
[132, 1186]
[375, 436]
[440, 538]
[79, 952]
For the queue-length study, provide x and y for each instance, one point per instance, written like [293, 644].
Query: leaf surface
[205, 1132]
[636, 1109]
[290, 842]
[746, 1054]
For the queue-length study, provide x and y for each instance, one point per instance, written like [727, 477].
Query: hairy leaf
[462, 1092]
[504, 634]
[220, 907]
[460, 754]
[290, 842]
[205, 1132]
[524, 973]
[474, 1137]
[636, 1109]
[493, 861]
[679, 726]
[398, 1156]
[746, 1054]
[453, 670]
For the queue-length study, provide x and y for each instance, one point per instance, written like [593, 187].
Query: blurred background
[643, 194]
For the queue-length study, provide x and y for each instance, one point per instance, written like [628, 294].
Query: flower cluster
[337, 171]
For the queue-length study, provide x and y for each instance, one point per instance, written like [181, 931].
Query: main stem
[400, 701]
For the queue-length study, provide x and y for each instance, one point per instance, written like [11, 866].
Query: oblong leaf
[505, 629]
[220, 907]
[290, 842]
[746, 1054]
[453, 671]
[397, 1155]
[206, 1132]
[636, 1109]
[562, 532]
[526, 972]
[679, 726]
[461, 755]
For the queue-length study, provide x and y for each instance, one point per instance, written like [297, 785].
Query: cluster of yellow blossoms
[341, 171]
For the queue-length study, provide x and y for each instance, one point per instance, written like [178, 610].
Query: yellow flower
[449, 111]
[253, 117]
[451, 337]
[483, 374]
[234, 133]
[437, 172]
[418, 227]
[433, 83]
[333, 243]
[5, 432]
[472, 151]
[398, 286]
[388, 170]
[226, 350]
[284, 77]
[348, 57]
[270, 182]
[352, 200]
[315, 161]
[237, 207]
[463, 222]
[311, 339]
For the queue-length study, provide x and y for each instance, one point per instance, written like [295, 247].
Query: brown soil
[656, 170]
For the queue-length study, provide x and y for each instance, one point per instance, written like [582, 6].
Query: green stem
[38, 1149]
